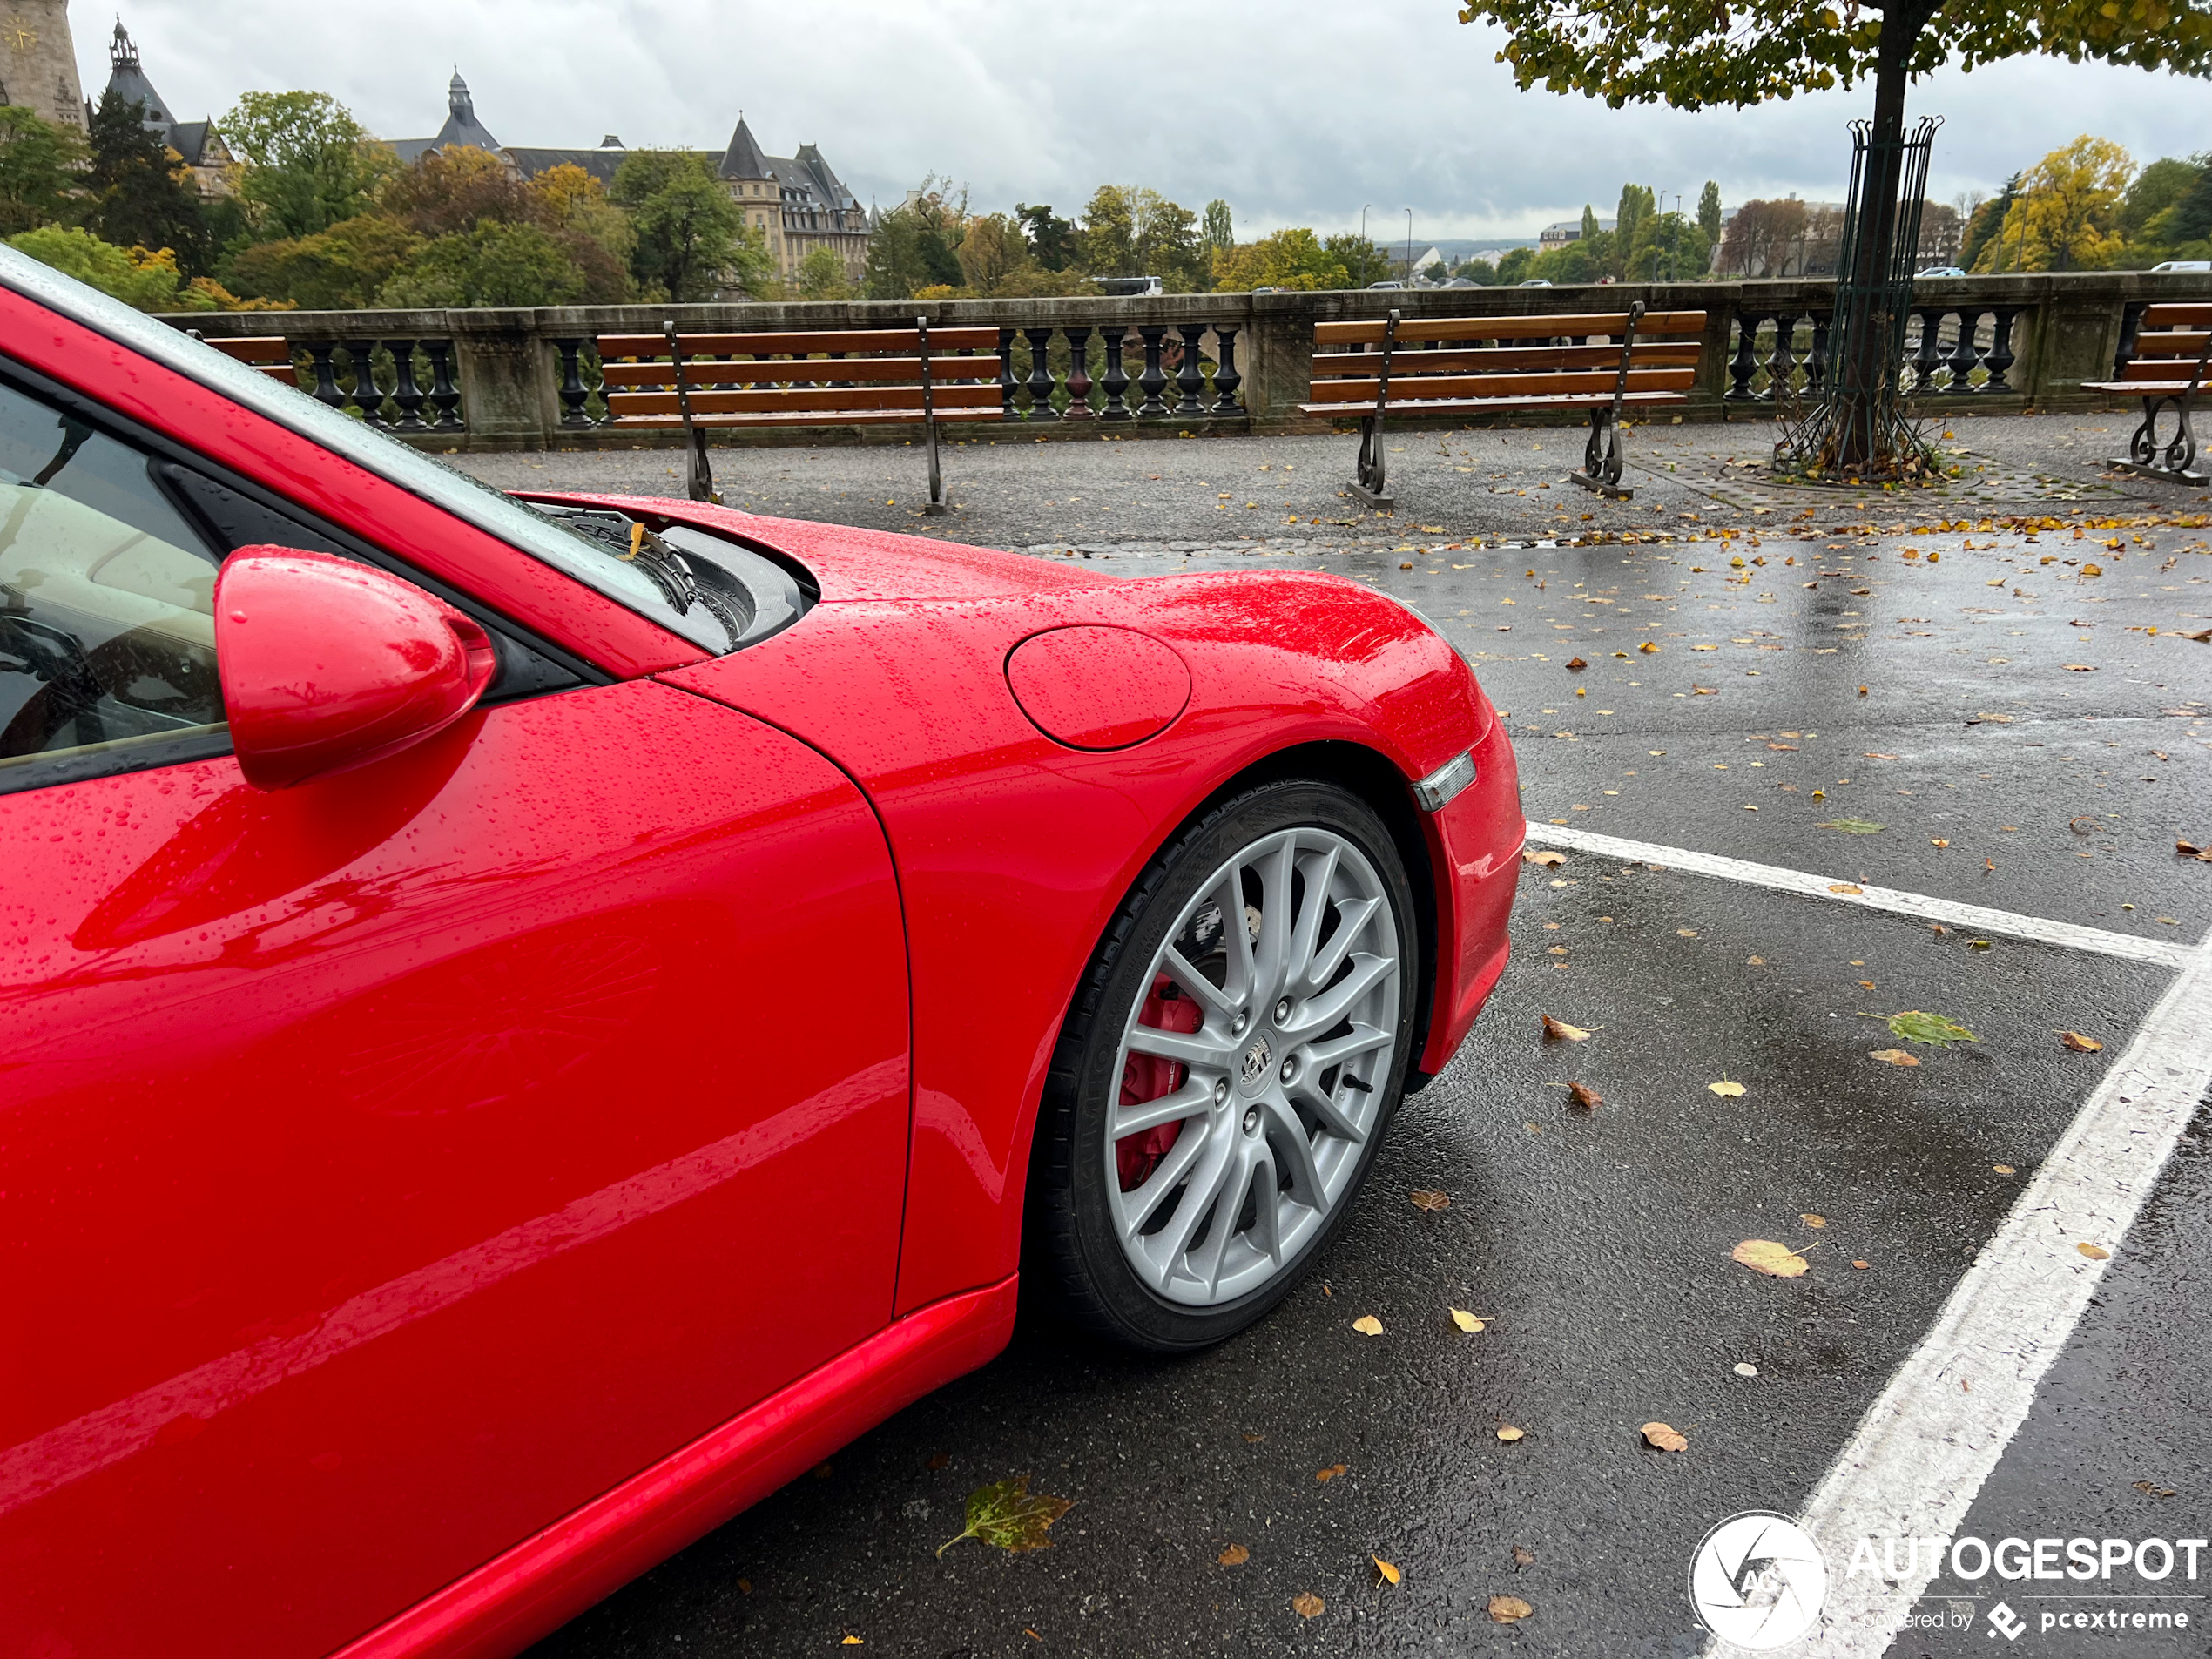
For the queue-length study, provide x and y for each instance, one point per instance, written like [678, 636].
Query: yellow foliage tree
[2065, 216]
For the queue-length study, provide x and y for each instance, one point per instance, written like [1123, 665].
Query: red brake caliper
[1147, 1077]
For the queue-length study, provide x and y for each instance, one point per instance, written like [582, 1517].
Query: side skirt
[542, 1582]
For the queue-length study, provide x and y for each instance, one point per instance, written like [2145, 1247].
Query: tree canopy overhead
[1696, 54]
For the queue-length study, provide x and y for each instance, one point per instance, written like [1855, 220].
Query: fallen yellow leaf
[1330, 1473]
[2095, 1252]
[1844, 887]
[1466, 1320]
[1895, 1057]
[1508, 1609]
[1431, 1202]
[1561, 1031]
[1547, 857]
[1811, 1220]
[1307, 1605]
[1384, 1570]
[1235, 1555]
[2004, 1169]
[1862, 1267]
[1764, 1256]
[1729, 1091]
[1508, 1434]
[1367, 1325]
[2079, 1043]
[1664, 1438]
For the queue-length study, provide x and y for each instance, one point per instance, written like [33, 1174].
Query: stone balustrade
[1210, 362]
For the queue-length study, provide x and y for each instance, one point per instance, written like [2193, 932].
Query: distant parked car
[1129, 287]
[2183, 265]
[1938, 271]
[1393, 284]
[1536, 282]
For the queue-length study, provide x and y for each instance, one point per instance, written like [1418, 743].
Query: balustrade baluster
[1191, 378]
[1116, 380]
[1999, 360]
[1817, 361]
[1966, 351]
[1226, 380]
[1153, 382]
[1006, 374]
[319, 354]
[405, 392]
[445, 396]
[365, 395]
[1781, 367]
[1929, 353]
[1745, 363]
[1040, 374]
[1078, 374]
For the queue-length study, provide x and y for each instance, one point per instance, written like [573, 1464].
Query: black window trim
[37, 772]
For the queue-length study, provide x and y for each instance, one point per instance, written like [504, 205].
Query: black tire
[1073, 1246]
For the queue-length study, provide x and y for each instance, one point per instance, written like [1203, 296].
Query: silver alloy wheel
[1282, 1082]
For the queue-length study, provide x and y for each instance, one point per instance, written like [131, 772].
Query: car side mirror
[329, 664]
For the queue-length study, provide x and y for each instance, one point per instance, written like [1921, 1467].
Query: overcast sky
[1296, 112]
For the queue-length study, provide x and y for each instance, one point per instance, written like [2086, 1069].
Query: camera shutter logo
[1758, 1580]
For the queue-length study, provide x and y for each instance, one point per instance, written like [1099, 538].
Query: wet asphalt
[2024, 740]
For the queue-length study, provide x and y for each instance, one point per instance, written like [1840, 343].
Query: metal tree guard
[1850, 426]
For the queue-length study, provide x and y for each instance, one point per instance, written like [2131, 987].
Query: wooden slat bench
[270, 353]
[1484, 365]
[785, 377]
[2163, 364]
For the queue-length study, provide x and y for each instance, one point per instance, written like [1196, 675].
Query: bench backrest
[2169, 342]
[801, 376]
[1435, 358]
[270, 353]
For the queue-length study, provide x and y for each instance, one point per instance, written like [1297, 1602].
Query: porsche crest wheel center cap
[1258, 1060]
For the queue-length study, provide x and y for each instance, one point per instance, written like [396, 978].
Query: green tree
[1217, 231]
[1363, 261]
[1708, 213]
[916, 245]
[150, 281]
[1297, 259]
[343, 268]
[597, 234]
[1164, 238]
[1108, 246]
[39, 165]
[458, 189]
[2161, 185]
[1982, 224]
[491, 265]
[1052, 238]
[1479, 271]
[1630, 241]
[138, 192]
[304, 163]
[1513, 265]
[692, 240]
[2192, 221]
[822, 276]
[1695, 54]
[993, 252]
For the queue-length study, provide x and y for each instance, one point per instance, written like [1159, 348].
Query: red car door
[390, 1163]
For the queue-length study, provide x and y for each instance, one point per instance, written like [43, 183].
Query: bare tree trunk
[1864, 374]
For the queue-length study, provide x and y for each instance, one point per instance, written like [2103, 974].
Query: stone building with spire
[39, 62]
[797, 202]
[196, 143]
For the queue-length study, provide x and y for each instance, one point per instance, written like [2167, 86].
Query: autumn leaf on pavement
[1307, 1605]
[2095, 1252]
[1367, 1325]
[1664, 1438]
[1008, 1513]
[1895, 1056]
[1585, 1097]
[1508, 1434]
[1329, 1473]
[1558, 1030]
[1466, 1321]
[1523, 1556]
[1431, 1202]
[1547, 857]
[1811, 1220]
[1852, 826]
[1764, 1256]
[2079, 1043]
[1508, 1609]
[1384, 1573]
[1575, 665]
[1913, 1026]
[1726, 1089]
[1235, 1555]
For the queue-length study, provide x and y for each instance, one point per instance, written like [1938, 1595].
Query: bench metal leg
[1602, 460]
[699, 476]
[936, 505]
[1368, 486]
[2173, 460]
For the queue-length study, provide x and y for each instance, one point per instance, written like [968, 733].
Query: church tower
[38, 61]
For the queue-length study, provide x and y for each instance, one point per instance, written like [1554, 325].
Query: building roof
[462, 128]
[743, 159]
[601, 163]
[127, 80]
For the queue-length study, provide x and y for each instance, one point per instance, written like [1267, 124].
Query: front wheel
[1236, 1047]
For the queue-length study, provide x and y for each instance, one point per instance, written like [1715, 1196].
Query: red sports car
[525, 1023]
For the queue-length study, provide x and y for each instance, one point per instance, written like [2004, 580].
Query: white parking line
[1972, 917]
[1920, 1454]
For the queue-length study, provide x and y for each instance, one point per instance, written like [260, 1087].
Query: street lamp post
[1409, 247]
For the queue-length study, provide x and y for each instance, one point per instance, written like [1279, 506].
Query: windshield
[541, 536]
